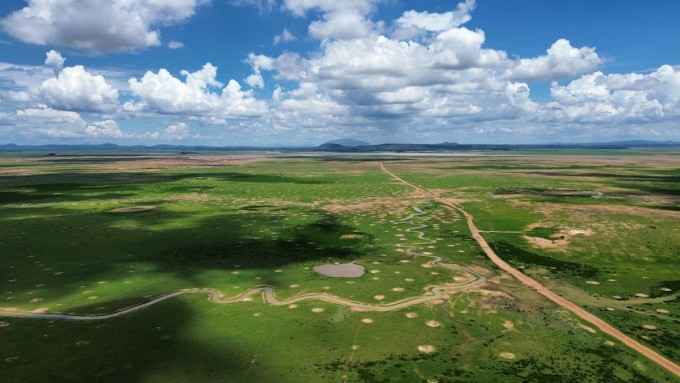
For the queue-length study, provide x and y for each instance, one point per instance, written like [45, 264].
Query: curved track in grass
[539, 288]
[267, 292]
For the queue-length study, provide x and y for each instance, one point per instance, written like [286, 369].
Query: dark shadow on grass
[82, 182]
[318, 241]
[151, 343]
[66, 250]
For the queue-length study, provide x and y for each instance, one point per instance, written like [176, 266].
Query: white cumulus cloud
[285, 36]
[76, 89]
[175, 45]
[105, 129]
[619, 97]
[562, 60]
[55, 61]
[104, 26]
[437, 22]
[177, 131]
[199, 94]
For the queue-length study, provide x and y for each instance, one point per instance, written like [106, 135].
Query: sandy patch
[507, 355]
[433, 324]
[589, 329]
[294, 286]
[666, 289]
[586, 232]
[641, 295]
[4, 324]
[426, 348]
[609, 343]
[132, 209]
[247, 299]
[649, 327]
[379, 297]
[411, 315]
[545, 243]
[367, 320]
[34, 300]
[343, 270]
[593, 282]
[351, 236]
[398, 289]
[355, 347]
[292, 306]
[508, 325]
[317, 310]
[410, 280]
[661, 311]
[41, 310]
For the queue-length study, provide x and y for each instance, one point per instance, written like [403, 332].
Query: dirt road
[533, 284]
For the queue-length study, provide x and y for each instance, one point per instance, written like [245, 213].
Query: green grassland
[229, 224]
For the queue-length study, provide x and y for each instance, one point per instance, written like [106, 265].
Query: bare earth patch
[508, 325]
[426, 348]
[351, 236]
[649, 327]
[589, 329]
[559, 240]
[661, 311]
[41, 310]
[317, 310]
[433, 324]
[411, 315]
[367, 320]
[507, 355]
[4, 324]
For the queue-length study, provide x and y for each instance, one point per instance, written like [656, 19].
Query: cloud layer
[424, 76]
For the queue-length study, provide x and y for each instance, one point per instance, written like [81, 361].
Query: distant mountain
[348, 142]
[349, 146]
[451, 146]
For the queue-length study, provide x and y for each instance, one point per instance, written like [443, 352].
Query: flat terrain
[129, 247]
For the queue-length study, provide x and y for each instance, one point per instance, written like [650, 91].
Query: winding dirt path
[216, 296]
[535, 285]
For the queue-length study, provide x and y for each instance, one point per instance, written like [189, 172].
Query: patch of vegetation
[543, 232]
[516, 255]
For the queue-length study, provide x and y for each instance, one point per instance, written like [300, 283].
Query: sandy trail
[533, 284]
[434, 292]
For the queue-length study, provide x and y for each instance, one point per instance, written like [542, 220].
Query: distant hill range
[341, 146]
[348, 142]
[452, 146]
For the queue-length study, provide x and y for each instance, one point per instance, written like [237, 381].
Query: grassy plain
[71, 243]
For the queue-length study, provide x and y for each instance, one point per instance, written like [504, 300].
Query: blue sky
[301, 72]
